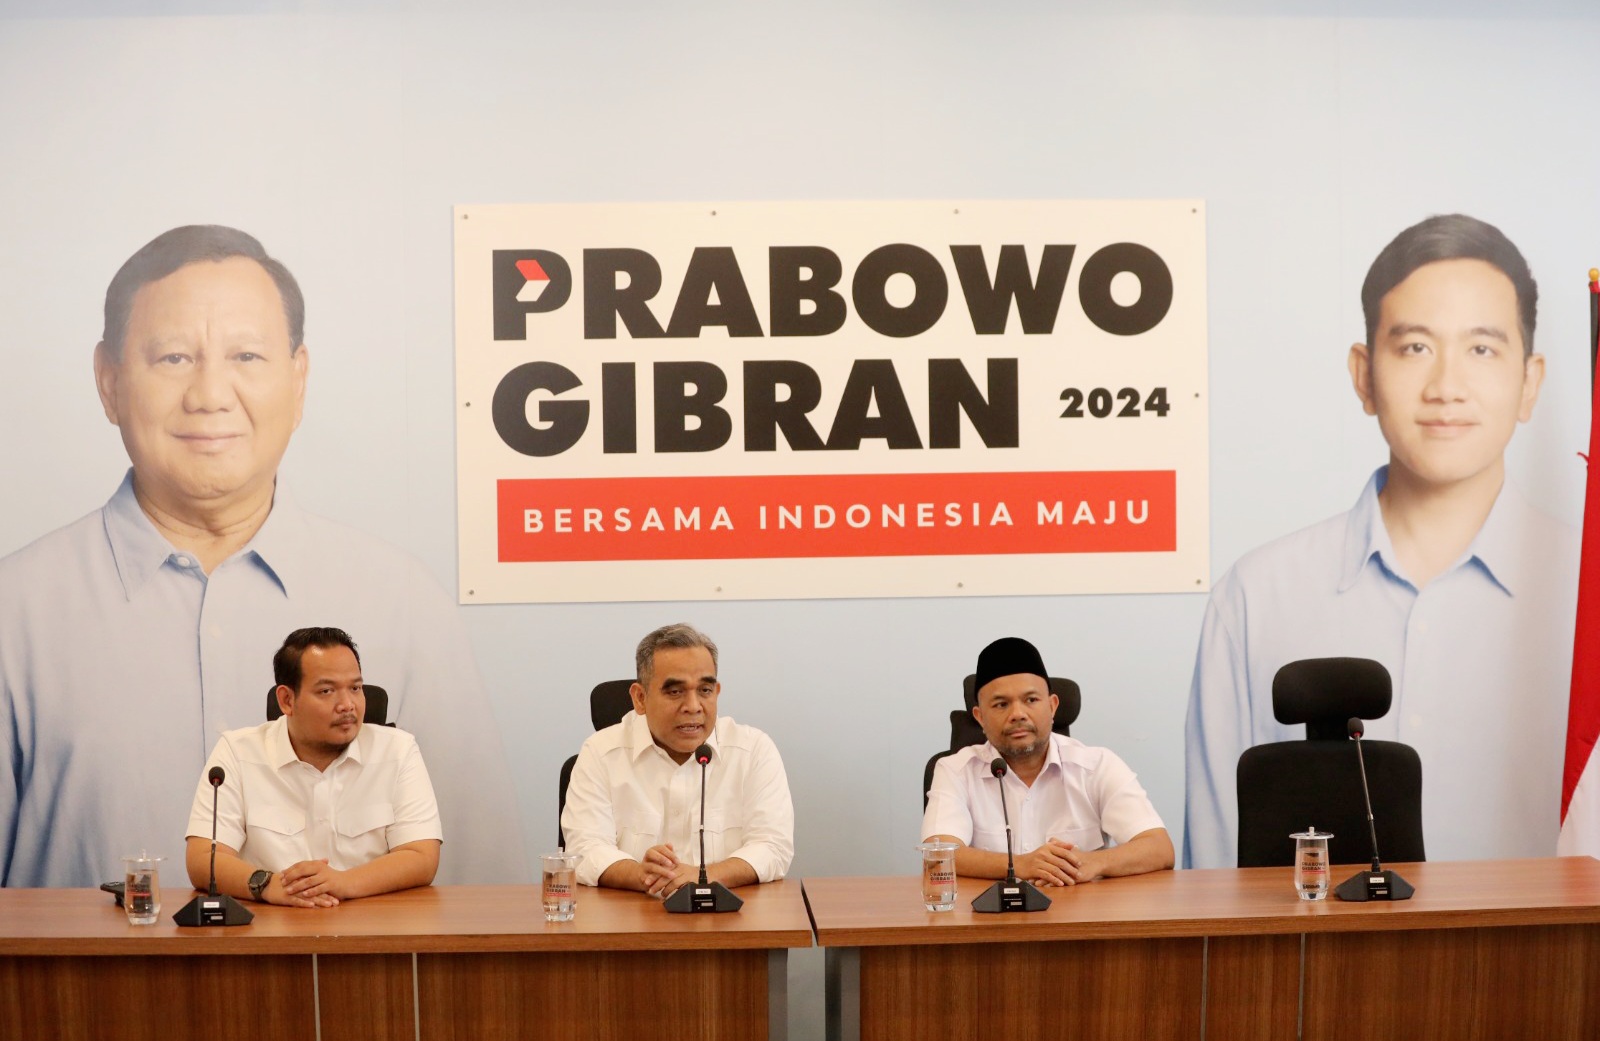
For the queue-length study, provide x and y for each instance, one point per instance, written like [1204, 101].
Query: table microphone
[1376, 883]
[1010, 893]
[702, 896]
[214, 908]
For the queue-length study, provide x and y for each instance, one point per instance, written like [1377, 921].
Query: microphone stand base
[1010, 894]
[213, 910]
[702, 898]
[1374, 885]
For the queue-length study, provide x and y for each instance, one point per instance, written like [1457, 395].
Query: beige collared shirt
[277, 811]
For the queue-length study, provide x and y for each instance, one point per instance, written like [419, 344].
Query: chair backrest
[1289, 786]
[561, 798]
[377, 705]
[1323, 693]
[609, 701]
[964, 730]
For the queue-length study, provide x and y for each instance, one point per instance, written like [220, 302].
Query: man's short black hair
[286, 663]
[1453, 236]
[180, 247]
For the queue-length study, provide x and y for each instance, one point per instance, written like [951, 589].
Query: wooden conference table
[466, 962]
[1485, 950]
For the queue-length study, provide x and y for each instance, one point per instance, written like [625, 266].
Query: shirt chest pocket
[279, 820]
[723, 835]
[638, 828]
[359, 820]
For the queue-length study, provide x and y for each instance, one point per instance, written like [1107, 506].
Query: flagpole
[1594, 322]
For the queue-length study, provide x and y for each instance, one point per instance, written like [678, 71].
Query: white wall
[342, 134]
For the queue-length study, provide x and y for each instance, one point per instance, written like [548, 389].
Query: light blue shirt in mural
[121, 662]
[1481, 660]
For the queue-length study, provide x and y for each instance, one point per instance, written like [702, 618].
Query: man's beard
[1022, 751]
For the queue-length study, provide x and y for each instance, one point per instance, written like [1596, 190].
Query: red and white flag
[1580, 781]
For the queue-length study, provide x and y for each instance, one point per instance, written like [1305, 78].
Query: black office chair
[377, 705]
[964, 730]
[1289, 786]
[608, 703]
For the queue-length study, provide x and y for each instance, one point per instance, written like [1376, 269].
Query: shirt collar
[1365, 537]
[1497, 548]
[280, 751]
[279, 545]
[1060, 752]
[352, 751]
[636, 732]
[1502, 547]
[137, 547]
[139, 550]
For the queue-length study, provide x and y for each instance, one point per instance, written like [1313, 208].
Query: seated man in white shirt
[633, 805]
[1068, 802]
[314, 807]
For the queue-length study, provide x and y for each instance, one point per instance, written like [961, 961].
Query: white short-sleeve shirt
[1084, 795]
[277, 810]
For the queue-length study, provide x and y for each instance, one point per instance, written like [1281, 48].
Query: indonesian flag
[1580, 782]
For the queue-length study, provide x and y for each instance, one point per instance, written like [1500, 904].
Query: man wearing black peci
[1077, 812]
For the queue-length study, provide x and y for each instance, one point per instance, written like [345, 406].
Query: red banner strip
[837, 515]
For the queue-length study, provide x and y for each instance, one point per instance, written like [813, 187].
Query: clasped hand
[309, 883]
[662, 873]
[1056, 863]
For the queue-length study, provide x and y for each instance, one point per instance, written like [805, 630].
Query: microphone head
[1356, 727]
[702, 755]
[215, 776]
[998, 767]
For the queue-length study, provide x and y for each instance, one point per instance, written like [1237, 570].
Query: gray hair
[679, 634]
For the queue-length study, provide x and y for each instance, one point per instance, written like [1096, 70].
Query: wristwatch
[258, 885]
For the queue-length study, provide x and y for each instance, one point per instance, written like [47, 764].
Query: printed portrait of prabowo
[1440, 571]
[132, 638]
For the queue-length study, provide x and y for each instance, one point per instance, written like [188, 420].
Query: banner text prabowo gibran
[776, 400]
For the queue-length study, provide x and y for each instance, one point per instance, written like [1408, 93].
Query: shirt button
[185, 562]
[1414, 720]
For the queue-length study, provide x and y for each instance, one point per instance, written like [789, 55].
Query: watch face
[258, 883]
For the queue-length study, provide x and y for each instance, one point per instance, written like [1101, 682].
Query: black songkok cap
[1007, 656]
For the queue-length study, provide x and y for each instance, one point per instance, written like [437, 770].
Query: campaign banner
[830, 399]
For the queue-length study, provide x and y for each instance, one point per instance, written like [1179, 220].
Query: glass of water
[1311, 863]
[141, 889]
[938, 875]
[561, 886]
